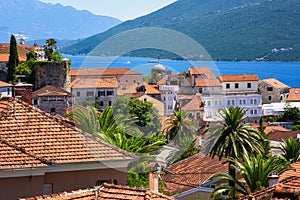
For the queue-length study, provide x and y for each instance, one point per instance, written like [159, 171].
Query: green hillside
[228, 30]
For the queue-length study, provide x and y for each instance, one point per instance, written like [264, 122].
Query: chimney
[153, 177]
[23, 91]
[273, 179]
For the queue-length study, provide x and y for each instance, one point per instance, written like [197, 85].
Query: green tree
[13, 60]
[291, 150]
[50, 47]
[180, 124]
[255, 170]
[296, 127]
[28, 69]
[232, 138]
[290, 114]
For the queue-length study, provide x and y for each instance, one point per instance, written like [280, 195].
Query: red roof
[274, 83]
[105, 191]
[238, 78]
[95, 83]
[194, 105]
[294, 94]
[4, 57]
[208, 83]
[51, 91]
[283, 135]
[4, 84]
[30, 137]
[192, 172]
[202, 71]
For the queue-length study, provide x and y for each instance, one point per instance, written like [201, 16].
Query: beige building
[44, 154]
[273, 91]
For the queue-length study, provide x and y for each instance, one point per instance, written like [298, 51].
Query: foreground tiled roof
[192, 172]
[283, 135]
[238, 78]
[295, 171]
[294, 94]
[274, 83]
[95, 83]
[30, 137]
[51, 91]
[270, 128]
[103, 72]
[105, 191]
[287, 190]
[4, 84]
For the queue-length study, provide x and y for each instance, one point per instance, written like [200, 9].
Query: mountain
[228, 30]
[38, 20]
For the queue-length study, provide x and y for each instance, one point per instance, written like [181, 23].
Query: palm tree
[179, 124]
[233, 138]
[50, 47]
[255, 171]
[291, 150]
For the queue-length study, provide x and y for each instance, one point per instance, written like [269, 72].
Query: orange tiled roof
[283, 135]
[127, 88]
[31, 137]
[287, 190]
[269, 129]
[194, 105]
[203, 70]
[50, 91]
[4, 84]
[192, 172]
[294, 94]
[152, 89]
[238, 78]
[295, 171]
[4, 57]
[103, 72]
[274, 83]
[208, 83]
[95, 83]
[165, 78]
[4, 46]
[105, 191]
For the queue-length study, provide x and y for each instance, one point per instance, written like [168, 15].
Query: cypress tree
[13, 59]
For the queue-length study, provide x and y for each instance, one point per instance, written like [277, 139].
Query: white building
[169, 97]
[6, 89]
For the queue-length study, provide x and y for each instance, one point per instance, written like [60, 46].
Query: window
[216, 102]
[110, 93]
[228, 102]
[255, 112]
[236, 85]
[269, 89]
[208, 103]
[270, 98]
[248, 85]
[242, 101]
[35, 101]
[52, 110]
[90, 93]
[101, 103]
[220, 102]
[101, 93]
[109, 103]
[8, 91]
[78, 94]
[208, 114]
[47, 189]
[232, 102]
[227, 85]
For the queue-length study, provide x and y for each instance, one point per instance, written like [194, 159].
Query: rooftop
[51, 91]
[202, 70]
[238, 78]
[4, 57]
[95, 83]
[30, 138]
[283, 135]
[4, 84]
[103, 72]
[194, 105]
[274, 83]
[105, 191]
[294, 94]
[208, 83]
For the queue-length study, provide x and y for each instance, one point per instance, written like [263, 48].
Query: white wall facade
[169, 96]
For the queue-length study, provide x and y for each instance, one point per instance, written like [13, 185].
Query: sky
[121, 9]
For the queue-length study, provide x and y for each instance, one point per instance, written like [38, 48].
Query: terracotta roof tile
[208, 83]
[192, 172]
[294, 94]
[4, 57]
[287, 190]
[105, 191]
[47, 139]
[152, 89]
[283, 135]
[238, 78]
[4, 84]
[103, 72]
[202, 71]
[194, 105]
[95, 83]
[274, 83]
[127, 88]
[51, 91]
[269, 129]
[295, 171]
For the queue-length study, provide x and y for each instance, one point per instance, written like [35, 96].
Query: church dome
[159, 67]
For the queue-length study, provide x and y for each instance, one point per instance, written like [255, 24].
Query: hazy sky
[121, 9]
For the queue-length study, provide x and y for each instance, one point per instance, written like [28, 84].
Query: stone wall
[54, 73]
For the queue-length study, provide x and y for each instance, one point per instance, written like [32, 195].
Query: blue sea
[286, 72]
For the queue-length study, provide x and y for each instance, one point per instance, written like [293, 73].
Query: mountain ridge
[39, 20]
[231, 30]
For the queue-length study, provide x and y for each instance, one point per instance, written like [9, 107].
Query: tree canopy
[13, 60]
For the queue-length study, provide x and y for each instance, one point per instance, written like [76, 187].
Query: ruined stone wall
[53, 73]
